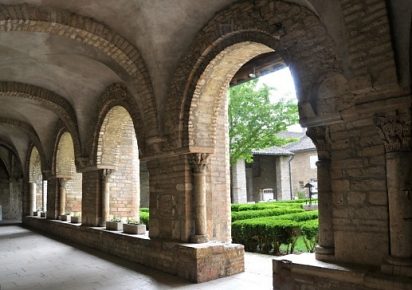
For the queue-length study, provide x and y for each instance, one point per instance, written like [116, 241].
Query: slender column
[199, 166]
[43, 195]
[325, 250]
[395, 134]
[62, 196]
[32, 197]
[326, 241]
[105, 196]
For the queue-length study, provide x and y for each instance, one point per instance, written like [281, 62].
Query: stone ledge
[194, 262]
[305, 272]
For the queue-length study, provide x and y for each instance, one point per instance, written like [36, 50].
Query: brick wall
[302, 172]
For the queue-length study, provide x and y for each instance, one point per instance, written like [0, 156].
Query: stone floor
[32, 261]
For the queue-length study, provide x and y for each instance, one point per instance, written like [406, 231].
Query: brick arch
[35, 172]
[291, 30]
[65, 167]
[88, 31]
[116, 95]
[50, 101]
[117, 149]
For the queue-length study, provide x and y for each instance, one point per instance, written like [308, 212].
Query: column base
[199, 239]
[325, 253]
[397, 266]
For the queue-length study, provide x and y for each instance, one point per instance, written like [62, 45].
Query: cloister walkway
[32, 261]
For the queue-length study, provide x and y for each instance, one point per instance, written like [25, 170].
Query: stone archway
[118, 153]
[37, 197]
[70, 181]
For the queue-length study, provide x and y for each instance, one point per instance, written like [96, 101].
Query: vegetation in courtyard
[280, 227]
[288, 229]
[254, 121]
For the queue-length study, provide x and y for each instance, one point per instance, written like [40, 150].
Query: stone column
[105, 196]
[395, 134]
[239, 192]
[33, 187]
[62, 195]
[325, 250]
[43, 195]
[199, 166]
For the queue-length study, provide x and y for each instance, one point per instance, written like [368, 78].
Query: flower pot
[75, 220]
[36, 213]
[65, 217]
[114, 226]
[134, 229]
[43, 214]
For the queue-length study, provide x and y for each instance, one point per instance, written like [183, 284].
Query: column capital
[321, 138]
[199, 162]
[107, 172]
[394, 131]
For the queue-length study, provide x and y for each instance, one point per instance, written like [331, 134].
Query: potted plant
[115, 224]
[65, 217]
[36, 212]
[43, 214]
[133, 227]
[76, 218]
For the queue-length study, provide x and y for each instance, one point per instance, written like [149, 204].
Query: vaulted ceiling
[68, 73]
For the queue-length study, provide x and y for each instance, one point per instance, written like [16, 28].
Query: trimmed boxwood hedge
[144, 218]
[267, 234]
[249, 214]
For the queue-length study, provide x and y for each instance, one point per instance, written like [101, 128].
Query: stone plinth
[194, 262]
[303, 271]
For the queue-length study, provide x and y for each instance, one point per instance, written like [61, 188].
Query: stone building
[276, 173]
[90, 93]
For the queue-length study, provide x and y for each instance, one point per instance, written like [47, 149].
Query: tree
[254, 121]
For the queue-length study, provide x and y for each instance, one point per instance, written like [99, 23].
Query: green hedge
[267, 234]
[144, 209]
[269, 205]
[144, 218]
[248, 214]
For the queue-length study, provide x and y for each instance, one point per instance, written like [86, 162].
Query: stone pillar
[62, 196]
[282, 178]
[325, 250]
[33, 188]
[395, 134]
[43, 195]
[326, 243]
[199, 166]
[105, 196]
[239, 193]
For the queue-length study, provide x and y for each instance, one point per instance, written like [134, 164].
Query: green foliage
[274, 226]
[132, 221]
[144, 218]
[115, 219]
[269, 205]
[254, 121]
[248, 214]
[144, 209]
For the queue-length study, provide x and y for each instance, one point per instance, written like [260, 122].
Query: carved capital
[394, 131]
[199, 161]
[106, 173]
[321, 138]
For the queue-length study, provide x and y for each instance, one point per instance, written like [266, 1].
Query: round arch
[65, 170]
[293, 31]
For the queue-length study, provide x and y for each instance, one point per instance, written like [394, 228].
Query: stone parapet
[303, 271]
[194, 262]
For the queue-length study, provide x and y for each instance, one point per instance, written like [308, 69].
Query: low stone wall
[194, 262]
[304, 272]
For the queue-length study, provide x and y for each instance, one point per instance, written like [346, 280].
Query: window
[312, 160]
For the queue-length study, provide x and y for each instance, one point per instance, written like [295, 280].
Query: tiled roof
[275, 150]
[303, 144]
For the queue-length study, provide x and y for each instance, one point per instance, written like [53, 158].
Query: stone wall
[302, 172]
[196, 263]
[264, 176]
[238, 182]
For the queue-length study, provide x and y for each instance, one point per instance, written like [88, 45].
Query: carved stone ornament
[394, 132]
[321, 138]
[199, 161]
